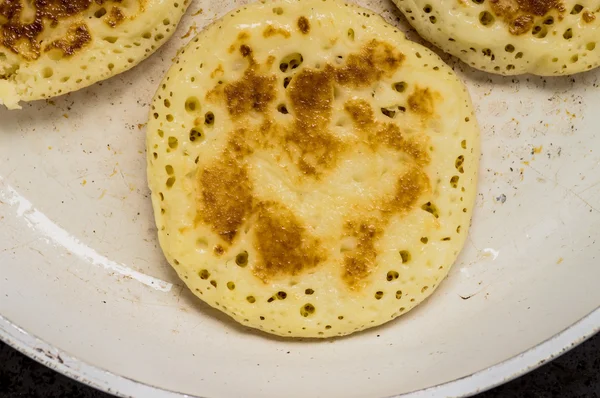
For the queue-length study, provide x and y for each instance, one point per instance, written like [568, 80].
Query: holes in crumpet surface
[307, 310]
[192, 105]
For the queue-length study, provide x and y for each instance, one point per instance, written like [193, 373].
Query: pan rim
[471, 384]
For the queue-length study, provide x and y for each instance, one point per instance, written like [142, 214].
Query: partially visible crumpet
[511, 37]
[52, 47]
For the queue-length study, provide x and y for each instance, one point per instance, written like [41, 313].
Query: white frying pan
[84, 287]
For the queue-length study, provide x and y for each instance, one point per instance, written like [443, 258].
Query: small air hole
[488, 53]
[291, 62]
[389, 113]
[173, 142]
[204, 274]
[100, 13]
[307, 309]
[351, 34]
[282, 109]
[568, 34]
[454, 181]
[459, 163]
[47, 72]
[431, 208]
[405, 255]
[577, 9]
[541, 32]
[392, 275]
[192, 105]
[242, 259]
[230, 285]
[209, 119]
[486, 18]
[195, 134]
[399, 87]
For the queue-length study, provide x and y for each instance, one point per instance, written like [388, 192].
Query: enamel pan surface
[84, 287]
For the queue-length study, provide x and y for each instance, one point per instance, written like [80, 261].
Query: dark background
[575, 374]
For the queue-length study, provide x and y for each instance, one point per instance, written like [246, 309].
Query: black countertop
[575, 374]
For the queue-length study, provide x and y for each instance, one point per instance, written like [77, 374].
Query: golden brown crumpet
[315, 174]
[511, 37]
[52, 47]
